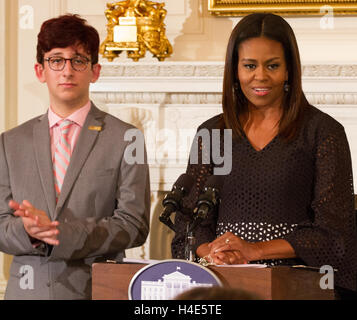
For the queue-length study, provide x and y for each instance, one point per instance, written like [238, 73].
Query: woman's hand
[233, 250]
[229, 257]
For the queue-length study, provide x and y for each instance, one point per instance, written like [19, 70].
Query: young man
[68, 197]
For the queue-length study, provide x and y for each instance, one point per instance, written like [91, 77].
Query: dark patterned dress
[300, 191]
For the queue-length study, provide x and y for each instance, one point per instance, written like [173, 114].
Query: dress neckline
[267, 146]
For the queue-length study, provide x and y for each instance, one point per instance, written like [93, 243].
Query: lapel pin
[95, 128]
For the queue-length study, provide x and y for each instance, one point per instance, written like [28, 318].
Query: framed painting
[283, 7]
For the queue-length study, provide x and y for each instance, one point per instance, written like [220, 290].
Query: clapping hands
[36, 222]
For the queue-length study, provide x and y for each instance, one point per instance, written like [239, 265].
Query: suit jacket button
[48, 284]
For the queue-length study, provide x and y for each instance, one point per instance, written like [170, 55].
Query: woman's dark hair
[64, 31]
[234, 102]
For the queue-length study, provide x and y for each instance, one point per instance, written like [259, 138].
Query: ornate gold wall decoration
[283, 7]
[136, 26]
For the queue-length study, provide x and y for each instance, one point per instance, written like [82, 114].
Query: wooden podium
[111, 281]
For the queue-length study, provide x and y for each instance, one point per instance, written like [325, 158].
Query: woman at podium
[289, 197]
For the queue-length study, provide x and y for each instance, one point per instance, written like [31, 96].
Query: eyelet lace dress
[300, 191]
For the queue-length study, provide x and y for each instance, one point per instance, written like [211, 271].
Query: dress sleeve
[329, 236]
[200, 170]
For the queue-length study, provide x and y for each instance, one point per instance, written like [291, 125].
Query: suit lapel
[42, 145]
[84, 146]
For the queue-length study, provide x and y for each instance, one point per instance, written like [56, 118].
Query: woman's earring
[286, 86]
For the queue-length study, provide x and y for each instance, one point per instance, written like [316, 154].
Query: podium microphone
[208, 200]
[173, 200]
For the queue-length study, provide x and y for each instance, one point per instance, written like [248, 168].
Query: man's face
[68, 87]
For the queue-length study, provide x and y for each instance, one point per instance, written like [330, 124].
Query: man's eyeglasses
[77, 63]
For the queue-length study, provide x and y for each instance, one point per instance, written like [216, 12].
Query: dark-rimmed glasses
[58, 63]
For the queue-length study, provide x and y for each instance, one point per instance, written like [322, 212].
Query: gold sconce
[135, 26]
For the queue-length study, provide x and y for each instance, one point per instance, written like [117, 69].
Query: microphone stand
[190, 241]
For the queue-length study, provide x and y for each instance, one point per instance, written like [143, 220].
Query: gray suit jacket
[103, 207]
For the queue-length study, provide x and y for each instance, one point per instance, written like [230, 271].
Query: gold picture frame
[282, 7]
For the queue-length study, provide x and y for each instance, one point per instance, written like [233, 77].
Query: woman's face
[262, 72]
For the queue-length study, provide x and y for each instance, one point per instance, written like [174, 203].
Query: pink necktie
[62, 156]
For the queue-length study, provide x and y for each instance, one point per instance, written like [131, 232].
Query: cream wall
[196, 36]
[2, 63]
[193, 32]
